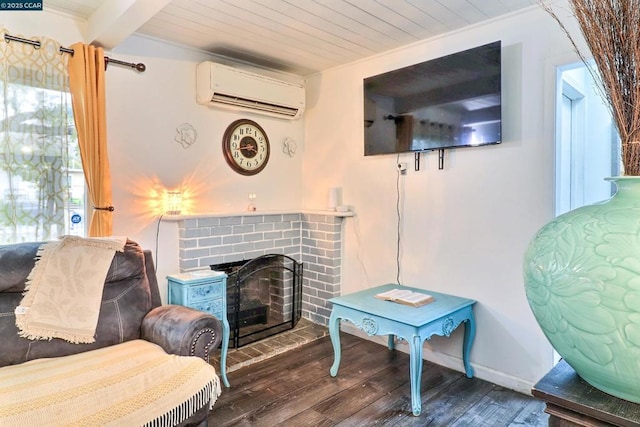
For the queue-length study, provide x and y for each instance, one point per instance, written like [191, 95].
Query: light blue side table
[413, 324]
[204, 290]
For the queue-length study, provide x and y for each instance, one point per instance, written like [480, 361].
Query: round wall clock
[246, 147]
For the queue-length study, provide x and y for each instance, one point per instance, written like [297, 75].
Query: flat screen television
[448, 102]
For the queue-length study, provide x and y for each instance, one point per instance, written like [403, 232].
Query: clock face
[246, 147]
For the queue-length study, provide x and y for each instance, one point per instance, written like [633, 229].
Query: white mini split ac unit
[219, 85]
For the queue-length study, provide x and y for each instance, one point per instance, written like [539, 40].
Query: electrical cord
[399, 222]
[356, 231]
[157, 239]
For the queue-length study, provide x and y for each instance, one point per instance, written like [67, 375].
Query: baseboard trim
[455, 363]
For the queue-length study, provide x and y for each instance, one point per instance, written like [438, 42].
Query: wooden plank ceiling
[295, 36]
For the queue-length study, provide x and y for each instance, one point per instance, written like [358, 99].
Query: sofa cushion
[126, 299]
[135, 383]
[16, 262]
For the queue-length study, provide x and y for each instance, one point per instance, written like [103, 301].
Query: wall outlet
[402, 168]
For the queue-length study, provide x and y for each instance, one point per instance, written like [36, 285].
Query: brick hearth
[304, 333]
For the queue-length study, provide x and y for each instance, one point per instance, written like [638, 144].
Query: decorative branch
[611, 29]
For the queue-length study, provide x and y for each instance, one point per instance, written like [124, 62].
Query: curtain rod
[35, 43]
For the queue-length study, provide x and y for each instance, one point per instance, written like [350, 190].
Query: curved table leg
[223, 353]
[334, 332]
[415, 372]
[469, 335]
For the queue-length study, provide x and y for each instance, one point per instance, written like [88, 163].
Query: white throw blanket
[64, 289]
[130, 384]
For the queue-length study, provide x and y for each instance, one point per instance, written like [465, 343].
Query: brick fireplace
[315, 239]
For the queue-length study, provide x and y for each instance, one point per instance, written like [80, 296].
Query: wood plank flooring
[372, 388]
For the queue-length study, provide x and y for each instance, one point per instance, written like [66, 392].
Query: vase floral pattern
[582, 281]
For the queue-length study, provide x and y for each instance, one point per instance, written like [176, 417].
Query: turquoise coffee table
[414, 324]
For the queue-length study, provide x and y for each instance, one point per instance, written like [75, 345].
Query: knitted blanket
[130, 384]
[64, 289]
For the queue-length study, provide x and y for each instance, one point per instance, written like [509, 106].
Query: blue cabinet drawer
[213, 307]
[206, 291]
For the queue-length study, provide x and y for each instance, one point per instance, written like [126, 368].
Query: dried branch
[611, 29]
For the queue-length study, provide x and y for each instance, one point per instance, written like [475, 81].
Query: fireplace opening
[264, 297]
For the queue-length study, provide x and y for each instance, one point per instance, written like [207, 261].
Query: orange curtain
[86, 81]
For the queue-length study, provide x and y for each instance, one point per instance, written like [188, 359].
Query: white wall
[464, 229]
[41, 23]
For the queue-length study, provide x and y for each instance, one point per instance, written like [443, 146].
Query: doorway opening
[587, 143]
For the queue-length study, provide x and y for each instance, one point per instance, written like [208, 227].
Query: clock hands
[248, 147]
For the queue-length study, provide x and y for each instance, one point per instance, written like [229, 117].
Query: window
[42, 187]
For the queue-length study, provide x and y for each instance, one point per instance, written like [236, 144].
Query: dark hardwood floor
[372, 388]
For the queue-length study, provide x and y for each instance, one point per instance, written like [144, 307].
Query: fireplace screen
[264, 297]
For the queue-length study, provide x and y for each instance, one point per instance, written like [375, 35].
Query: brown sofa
[130, 310]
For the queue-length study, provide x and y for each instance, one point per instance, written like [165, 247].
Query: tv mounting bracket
[416, 161]
[441, 159]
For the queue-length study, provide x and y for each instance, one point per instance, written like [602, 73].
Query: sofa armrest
[182, 330]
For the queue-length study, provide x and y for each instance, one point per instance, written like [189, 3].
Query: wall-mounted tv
[448, 102]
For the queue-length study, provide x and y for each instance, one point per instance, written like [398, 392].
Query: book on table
[404, 296]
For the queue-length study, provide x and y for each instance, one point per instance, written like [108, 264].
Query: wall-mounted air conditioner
[219, 85]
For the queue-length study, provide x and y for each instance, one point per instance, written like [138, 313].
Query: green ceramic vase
[582, 280]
